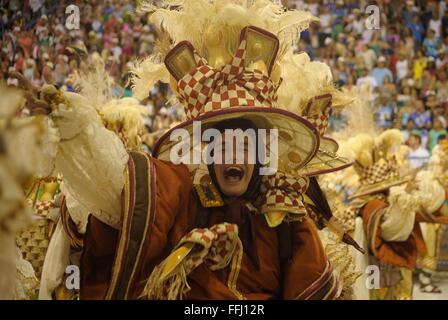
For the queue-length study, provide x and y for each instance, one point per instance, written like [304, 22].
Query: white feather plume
[188, 19]
[145, 74]
[96, 84]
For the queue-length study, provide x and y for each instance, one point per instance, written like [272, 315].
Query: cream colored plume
[360, 120]
[361, 148]
[96, 84]
[303, 80]
[145, 74]
[189, 19]
[12, 100]
[401, 155]
[125, 117]
[388, 142]
[213, 28]
[19, 153]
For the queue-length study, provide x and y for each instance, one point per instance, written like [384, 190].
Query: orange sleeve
[174, 210]
[308, 272]
[398, 253]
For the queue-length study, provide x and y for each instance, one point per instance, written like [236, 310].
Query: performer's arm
[308, 274]
[90, 158]
[398, 222]
[432, 195]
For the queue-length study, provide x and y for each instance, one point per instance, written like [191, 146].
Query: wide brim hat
[298, 140]
[237, 91]
[377, 178]
[326, 159]
[366, 190]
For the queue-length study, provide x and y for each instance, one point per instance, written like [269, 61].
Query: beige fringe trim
[174, 287]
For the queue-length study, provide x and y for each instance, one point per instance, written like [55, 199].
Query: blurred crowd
[36, 41]
[396, 57]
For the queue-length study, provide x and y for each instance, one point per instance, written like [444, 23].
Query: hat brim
[366, 190]
[326, 159]
[298, 139]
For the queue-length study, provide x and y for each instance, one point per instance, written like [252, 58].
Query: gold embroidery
[235, 270]
[151, 178]
[122, 242]
[209, 195]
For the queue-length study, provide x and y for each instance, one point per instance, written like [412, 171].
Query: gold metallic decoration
[175, 258]
[275, 218]
[209, 195]
[215, 44]
[262, 50]
[294, 157]
[180, 61]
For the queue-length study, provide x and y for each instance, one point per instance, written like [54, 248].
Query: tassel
[172, 287]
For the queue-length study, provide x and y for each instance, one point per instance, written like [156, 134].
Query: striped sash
[138, 217]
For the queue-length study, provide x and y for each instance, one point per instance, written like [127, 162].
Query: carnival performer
[392, 205]
[435, 234]
[20, 160]
[162, 229]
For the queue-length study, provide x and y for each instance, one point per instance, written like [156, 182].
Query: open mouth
[234, 174]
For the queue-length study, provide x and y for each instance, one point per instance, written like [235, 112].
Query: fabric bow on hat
[207, 89]
[282, 192]
[215, 246]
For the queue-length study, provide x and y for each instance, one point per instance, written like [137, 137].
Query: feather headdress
[126, 118]
[304, 79]
[213, 28]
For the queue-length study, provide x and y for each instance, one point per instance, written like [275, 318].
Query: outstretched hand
[412, 185]
[34, 104]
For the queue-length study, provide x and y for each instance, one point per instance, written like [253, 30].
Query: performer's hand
[34, 104]
[411, 186]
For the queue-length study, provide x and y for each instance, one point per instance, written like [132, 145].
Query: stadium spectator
[417, 156]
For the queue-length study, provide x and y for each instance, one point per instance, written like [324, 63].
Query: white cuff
[399, 220]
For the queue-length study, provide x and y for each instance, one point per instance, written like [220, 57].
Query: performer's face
[234, 178]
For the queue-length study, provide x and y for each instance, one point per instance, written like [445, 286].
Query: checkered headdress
[378, 172]
[318, 112]
[242, 88]
[203, 88]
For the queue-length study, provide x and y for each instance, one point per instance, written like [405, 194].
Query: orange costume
[306, 275]
[392, 208]
[285, 261]
[162, 229]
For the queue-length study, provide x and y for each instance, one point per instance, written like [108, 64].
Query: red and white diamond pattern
[214, 245]
[282, 192]
[378, 172]
[318, 113]
[42, 207]
[320, 121]
[206, 89]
